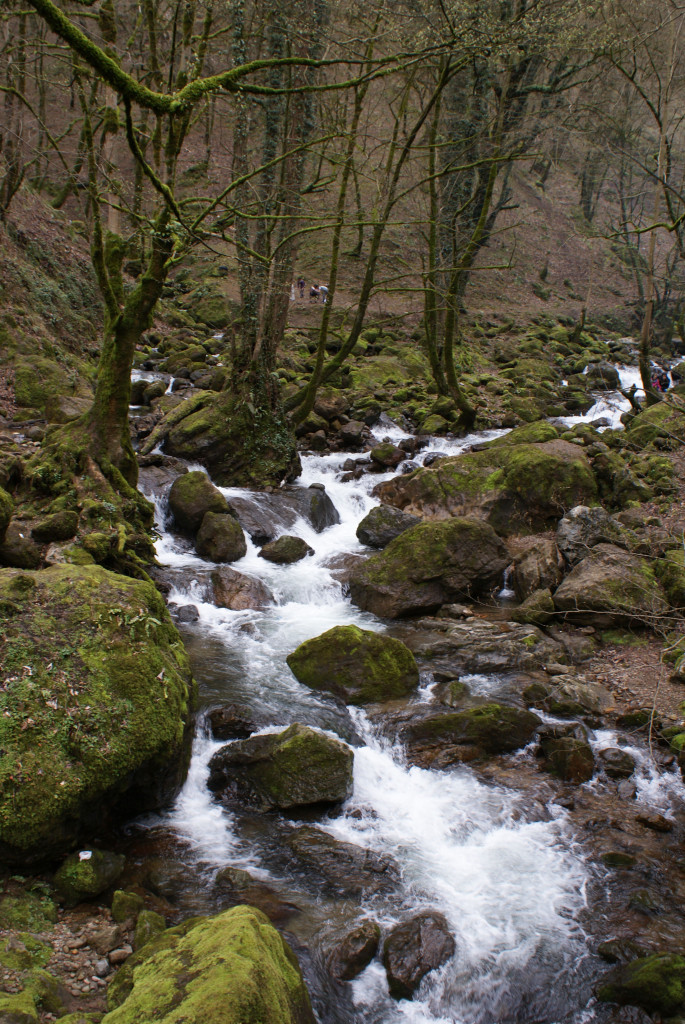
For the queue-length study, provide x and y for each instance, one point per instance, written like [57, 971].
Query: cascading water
[509, 879]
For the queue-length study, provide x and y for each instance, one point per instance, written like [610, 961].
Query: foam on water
[661, 789]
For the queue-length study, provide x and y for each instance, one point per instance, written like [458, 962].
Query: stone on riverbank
[539, 567]
[516, 488]
[582, 529]
[382, 524]
[95, 717]
[429, 565]
[293, 768]
[415, 948]
[191, 496]
[611, 587]
[355, 664]
[482, 731]
[87, 873]
[232, 968]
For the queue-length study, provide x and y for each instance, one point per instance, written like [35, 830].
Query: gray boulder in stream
[382, 524]
[414, 948]
[264, 516]
[355, 664]
[220, 538]
[611, 587]
[286, 550]
[344, 868]
[293, 768]
[429, 565]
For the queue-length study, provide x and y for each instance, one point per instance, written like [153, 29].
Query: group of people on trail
[316, 291]
[660, 381]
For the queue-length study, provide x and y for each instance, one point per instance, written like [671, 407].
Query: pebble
[102, 968]
[117, 956]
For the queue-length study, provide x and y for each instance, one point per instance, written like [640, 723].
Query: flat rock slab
[346, 869]
[481, 647]
[264, 516]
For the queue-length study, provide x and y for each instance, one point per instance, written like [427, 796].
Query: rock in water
[191, 496]
[104, 728]
[654, 983]
[293, 768]
[355, 664]
[221, 538]
[429, 565]
[485, 730]
[286, 550]
[239, 592]
[232, 968]
[413, 949]
[382, 524]
[354, 951]
[345, 869]
[264, 516]
[87, 873]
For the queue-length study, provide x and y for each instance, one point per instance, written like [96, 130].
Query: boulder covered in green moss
[663, 423]
[86, 874]
[239, 445]
[482, 731]
[517, 488]
[95, 715]
[286, 550]
[293, 768]
[18, 1008]
[655, 983]
[232, 968]
[220, 538]
[429, 565]
[191, 496]
[356, 665]
[612, 587]
[6, 509]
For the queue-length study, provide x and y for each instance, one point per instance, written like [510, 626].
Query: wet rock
[235, 887]
[344, 868]
[540, 567]
[516, 488]
[568, 756]
[354, 951]
[188, 613]
[286, 550]
[191, 496]
[617, 763]
[655, 983]
[429, 565]
[234, 590]
[19, 550]
[230, 723]
[413, 949]
[157, 479]
[655, 821]
[126, 905]
[265, 516]
[618, 859]
[479, 646]
[611, 587]
[220, 538]
[234, 966]
[603, 377]
[569, 696]
[357, 665]
[382, 524]
[582, 529]
[620, 951]
[86, 874]
[387, 455]
[626, 790]
[293, 768]
[352, 434]
[481, 731]
[537, 610]
[148, 926]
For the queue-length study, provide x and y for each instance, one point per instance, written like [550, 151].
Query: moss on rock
[491, 728]
[355, 664]
[221, 538]
[191, 496]
[28, 912]
[18, 1009]
[6, 509]
[126, 905]
[654, 983]
[86, 874]
[232, 968]
[96, 706]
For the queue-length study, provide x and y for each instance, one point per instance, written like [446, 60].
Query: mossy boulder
[18, 549]
[670, 571]
[435, 424]
[663, 423]
[286, 550]
[232, 968]
[18, 1009]
[517, 488]
[537, 609]
[55, 527]
[27, 912]
[655, 983]
[356, 665]
[149, 925]
[126, 905]
[240, 446]
[570, 758]
[569, 696]
[95, 718]
[429, 565]
[220, 538]
[293, 768]
[191, 496]
[382, 524]
[530, 433]
[484, 730]
[86, 874]
[611, 587]
[6, 509]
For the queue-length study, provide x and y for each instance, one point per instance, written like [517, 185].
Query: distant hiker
[656, 384]
[301, 284]
[323, 289]
[313, 294]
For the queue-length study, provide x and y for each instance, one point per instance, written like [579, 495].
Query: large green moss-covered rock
[191, 496]
[18, 1009]
[611, 587]
[6, 509]
[484, 730]
[517, 488]
[429, 565]
[654, 983]
[86, 874]
[293, 768]
[221, 538]
[240, 446]
[355, 664]
[234, 968]
[664, 422]
[95, 712]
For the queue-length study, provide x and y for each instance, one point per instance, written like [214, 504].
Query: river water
[504, 870]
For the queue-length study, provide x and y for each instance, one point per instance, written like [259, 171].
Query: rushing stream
[504, 871]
